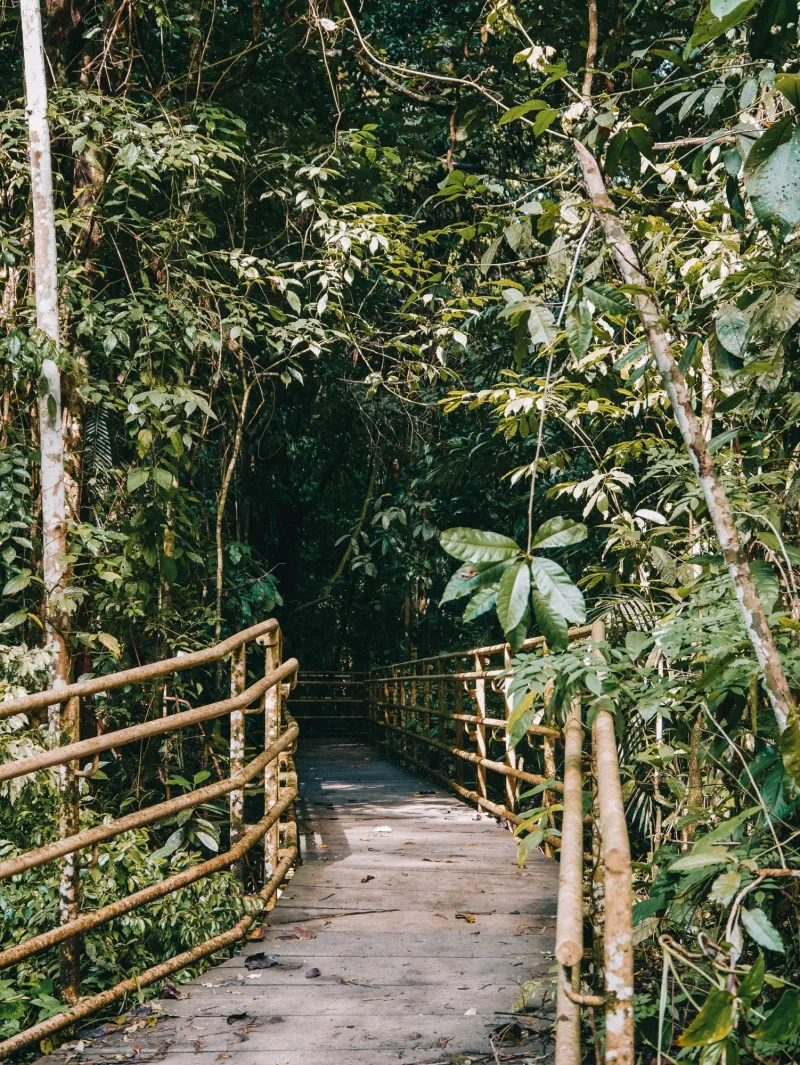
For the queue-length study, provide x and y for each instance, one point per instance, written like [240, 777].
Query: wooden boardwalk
[378, 962]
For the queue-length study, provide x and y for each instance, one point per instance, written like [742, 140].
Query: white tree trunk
[46, 271]
[64, 725]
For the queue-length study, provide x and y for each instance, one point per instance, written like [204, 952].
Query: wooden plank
[402, 980]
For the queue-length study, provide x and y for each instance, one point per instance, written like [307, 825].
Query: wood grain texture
[402, 978]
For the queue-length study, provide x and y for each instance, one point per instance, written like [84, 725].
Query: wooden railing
[331, 703]
[273, 765]
[448, 715]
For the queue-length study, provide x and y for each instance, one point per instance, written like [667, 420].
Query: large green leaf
[558, 590]
[774, 34]
[559, 532]
[578, 326]
[469, 579]
[774, 188]
[712, 1023]
[771, 139]
[733, 328]
[551, 623]
[783, 1022]
[608, 300]
[708, 26]
[516, 637]
[481, 602]
[476, 546]
[513, 594]
[762, 930]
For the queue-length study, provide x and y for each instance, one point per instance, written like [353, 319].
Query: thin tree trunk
[46, 271]
[591, 53]
[719, 508]
[223, 498]
[54, 543]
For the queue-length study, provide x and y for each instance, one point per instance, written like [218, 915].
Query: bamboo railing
[273, 766]
[447, 713]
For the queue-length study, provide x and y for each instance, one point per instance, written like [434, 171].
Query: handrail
[138, 674]
[280, 733]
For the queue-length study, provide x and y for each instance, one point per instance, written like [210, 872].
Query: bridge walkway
[403, 938]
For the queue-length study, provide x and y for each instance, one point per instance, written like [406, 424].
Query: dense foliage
[330, 284]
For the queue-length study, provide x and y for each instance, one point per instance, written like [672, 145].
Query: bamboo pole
[272, 722]
[480, 728]
[569, 919]
[617, 889]
[237, 749]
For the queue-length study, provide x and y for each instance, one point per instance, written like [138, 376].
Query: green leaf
[468, 579]
[137, 476]
[762, 930]
[208, 841]
[559, 532]
[520, 719]
[712, 1024]
[172, 844]
[557, 589]
[689, 862]
[789, 85]
[733, 328]
[708, 26]
[607, 300]
[476, 546]
[774, 188]
[790, 751]
[541, 324]
[544, 120]
[483, 600]
[782, 1024]
[578, 326]
[766, 581]
[293, 300]
[636, 642]
[763, 147]
[16, 584]
[514, 113]
[724, 888]
[552, 624]
[162, 477]
[720, 9]
[512, 595]
[774, 33]
[488, 256]
[723, 439]
[516, 637]
[111, 643]
[725, 829]
[752, 983]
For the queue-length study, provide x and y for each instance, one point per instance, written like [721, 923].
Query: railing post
[68, 723]
[272, 722]
[480, 729]
[617, 888]
[441, 704]
[237, 751]
[459, 724]
[569, 919]
[426, 717]
[511, 785]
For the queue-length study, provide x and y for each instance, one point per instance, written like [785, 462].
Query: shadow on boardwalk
[403, 939]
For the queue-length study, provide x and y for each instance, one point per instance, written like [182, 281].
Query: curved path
[403, 938]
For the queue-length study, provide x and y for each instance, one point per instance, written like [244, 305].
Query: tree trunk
[719, 508]
[46, 271]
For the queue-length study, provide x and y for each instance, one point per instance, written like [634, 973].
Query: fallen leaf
[257, 933]
[312, 974]
[440, 861]
[235, 1018]
[169, 990]
[471, 1012]
[382, 828]
[300, 933]
[366, 879]
[421, 794]
[444, 1040]
[260, 961]
[470, 917]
